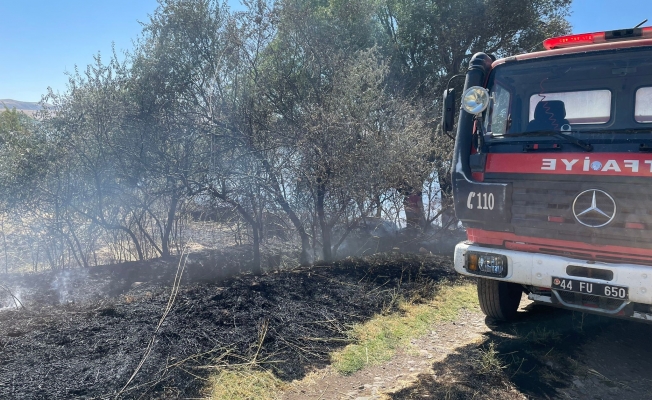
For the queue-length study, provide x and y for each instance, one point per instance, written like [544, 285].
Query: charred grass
[276, 328]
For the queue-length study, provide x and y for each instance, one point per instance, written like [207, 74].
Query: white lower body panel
[535, 269]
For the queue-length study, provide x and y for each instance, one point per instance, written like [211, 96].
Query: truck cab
[552, 175]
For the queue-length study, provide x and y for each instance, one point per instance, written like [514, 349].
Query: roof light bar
[584, 39]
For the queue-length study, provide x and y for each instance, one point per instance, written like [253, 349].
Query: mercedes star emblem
[594, 208]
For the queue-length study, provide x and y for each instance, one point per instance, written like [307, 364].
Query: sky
[41, 40]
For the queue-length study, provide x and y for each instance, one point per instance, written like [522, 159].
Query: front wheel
[498, 299]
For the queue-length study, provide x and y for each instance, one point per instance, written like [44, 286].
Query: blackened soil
[76, 342]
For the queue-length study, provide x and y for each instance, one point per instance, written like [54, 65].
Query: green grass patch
[243, 383]
[376, 340]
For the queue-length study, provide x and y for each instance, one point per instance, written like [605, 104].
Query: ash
[83, 333]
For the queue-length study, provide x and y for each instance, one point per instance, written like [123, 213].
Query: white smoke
[69, 284]
[63, 285]
[10, 298]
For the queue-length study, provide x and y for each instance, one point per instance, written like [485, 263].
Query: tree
[326, 85]
[430, 41]
[22, 156]
[192, 79]
[22, 161]
[89, 132]
[315, 109]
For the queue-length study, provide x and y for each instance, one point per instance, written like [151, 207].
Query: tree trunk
[134, 239]
[4, 240]
[78, 244]
[325, 227]
[251, 220]
[379, 207]
[414, 214]
[258, 270]
[172, 211]
[304, 258]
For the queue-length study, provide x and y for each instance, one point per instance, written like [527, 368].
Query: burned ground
[82, 334]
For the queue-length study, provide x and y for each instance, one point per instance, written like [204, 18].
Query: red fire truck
[552, 174]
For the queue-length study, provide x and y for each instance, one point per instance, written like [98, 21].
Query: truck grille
[539, 207]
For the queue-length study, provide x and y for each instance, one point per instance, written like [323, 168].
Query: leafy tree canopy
[431, 40]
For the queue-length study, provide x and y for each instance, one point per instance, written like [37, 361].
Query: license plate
[592, 288]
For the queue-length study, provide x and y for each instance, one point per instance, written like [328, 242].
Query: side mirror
[448, 112]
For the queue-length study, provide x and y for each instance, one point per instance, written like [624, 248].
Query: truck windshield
[609, 92]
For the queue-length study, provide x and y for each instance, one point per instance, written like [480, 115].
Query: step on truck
[552, 175]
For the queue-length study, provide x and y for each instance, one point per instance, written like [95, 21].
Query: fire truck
[552, 175]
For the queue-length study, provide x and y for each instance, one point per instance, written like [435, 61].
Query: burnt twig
[16, 299]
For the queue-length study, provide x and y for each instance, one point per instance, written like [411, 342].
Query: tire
[499, 300]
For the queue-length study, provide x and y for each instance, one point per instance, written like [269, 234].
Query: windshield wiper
[645, 145]
[624, 130]
[563, 135]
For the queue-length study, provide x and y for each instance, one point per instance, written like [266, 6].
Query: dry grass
[489, 362]
[543, 336]
[376, 340]
[26, 245]
[244, 383]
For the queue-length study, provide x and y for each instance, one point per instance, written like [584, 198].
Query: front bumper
[536, 270]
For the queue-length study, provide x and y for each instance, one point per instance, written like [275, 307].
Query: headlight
[475, 100]
[486, 264]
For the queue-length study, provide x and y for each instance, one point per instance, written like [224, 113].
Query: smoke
[66, 284]
[373, 235]
[10, 298]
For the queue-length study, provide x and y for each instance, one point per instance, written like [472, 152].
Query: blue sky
[41, 39]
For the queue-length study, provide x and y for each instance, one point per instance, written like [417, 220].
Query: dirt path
[548, 354]
[402, 371]
[617, 364]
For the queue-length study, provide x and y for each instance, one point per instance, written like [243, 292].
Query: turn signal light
[472, 262]
[556, 219]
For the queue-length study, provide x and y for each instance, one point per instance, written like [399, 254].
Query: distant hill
[29, 108]
[19, 105]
